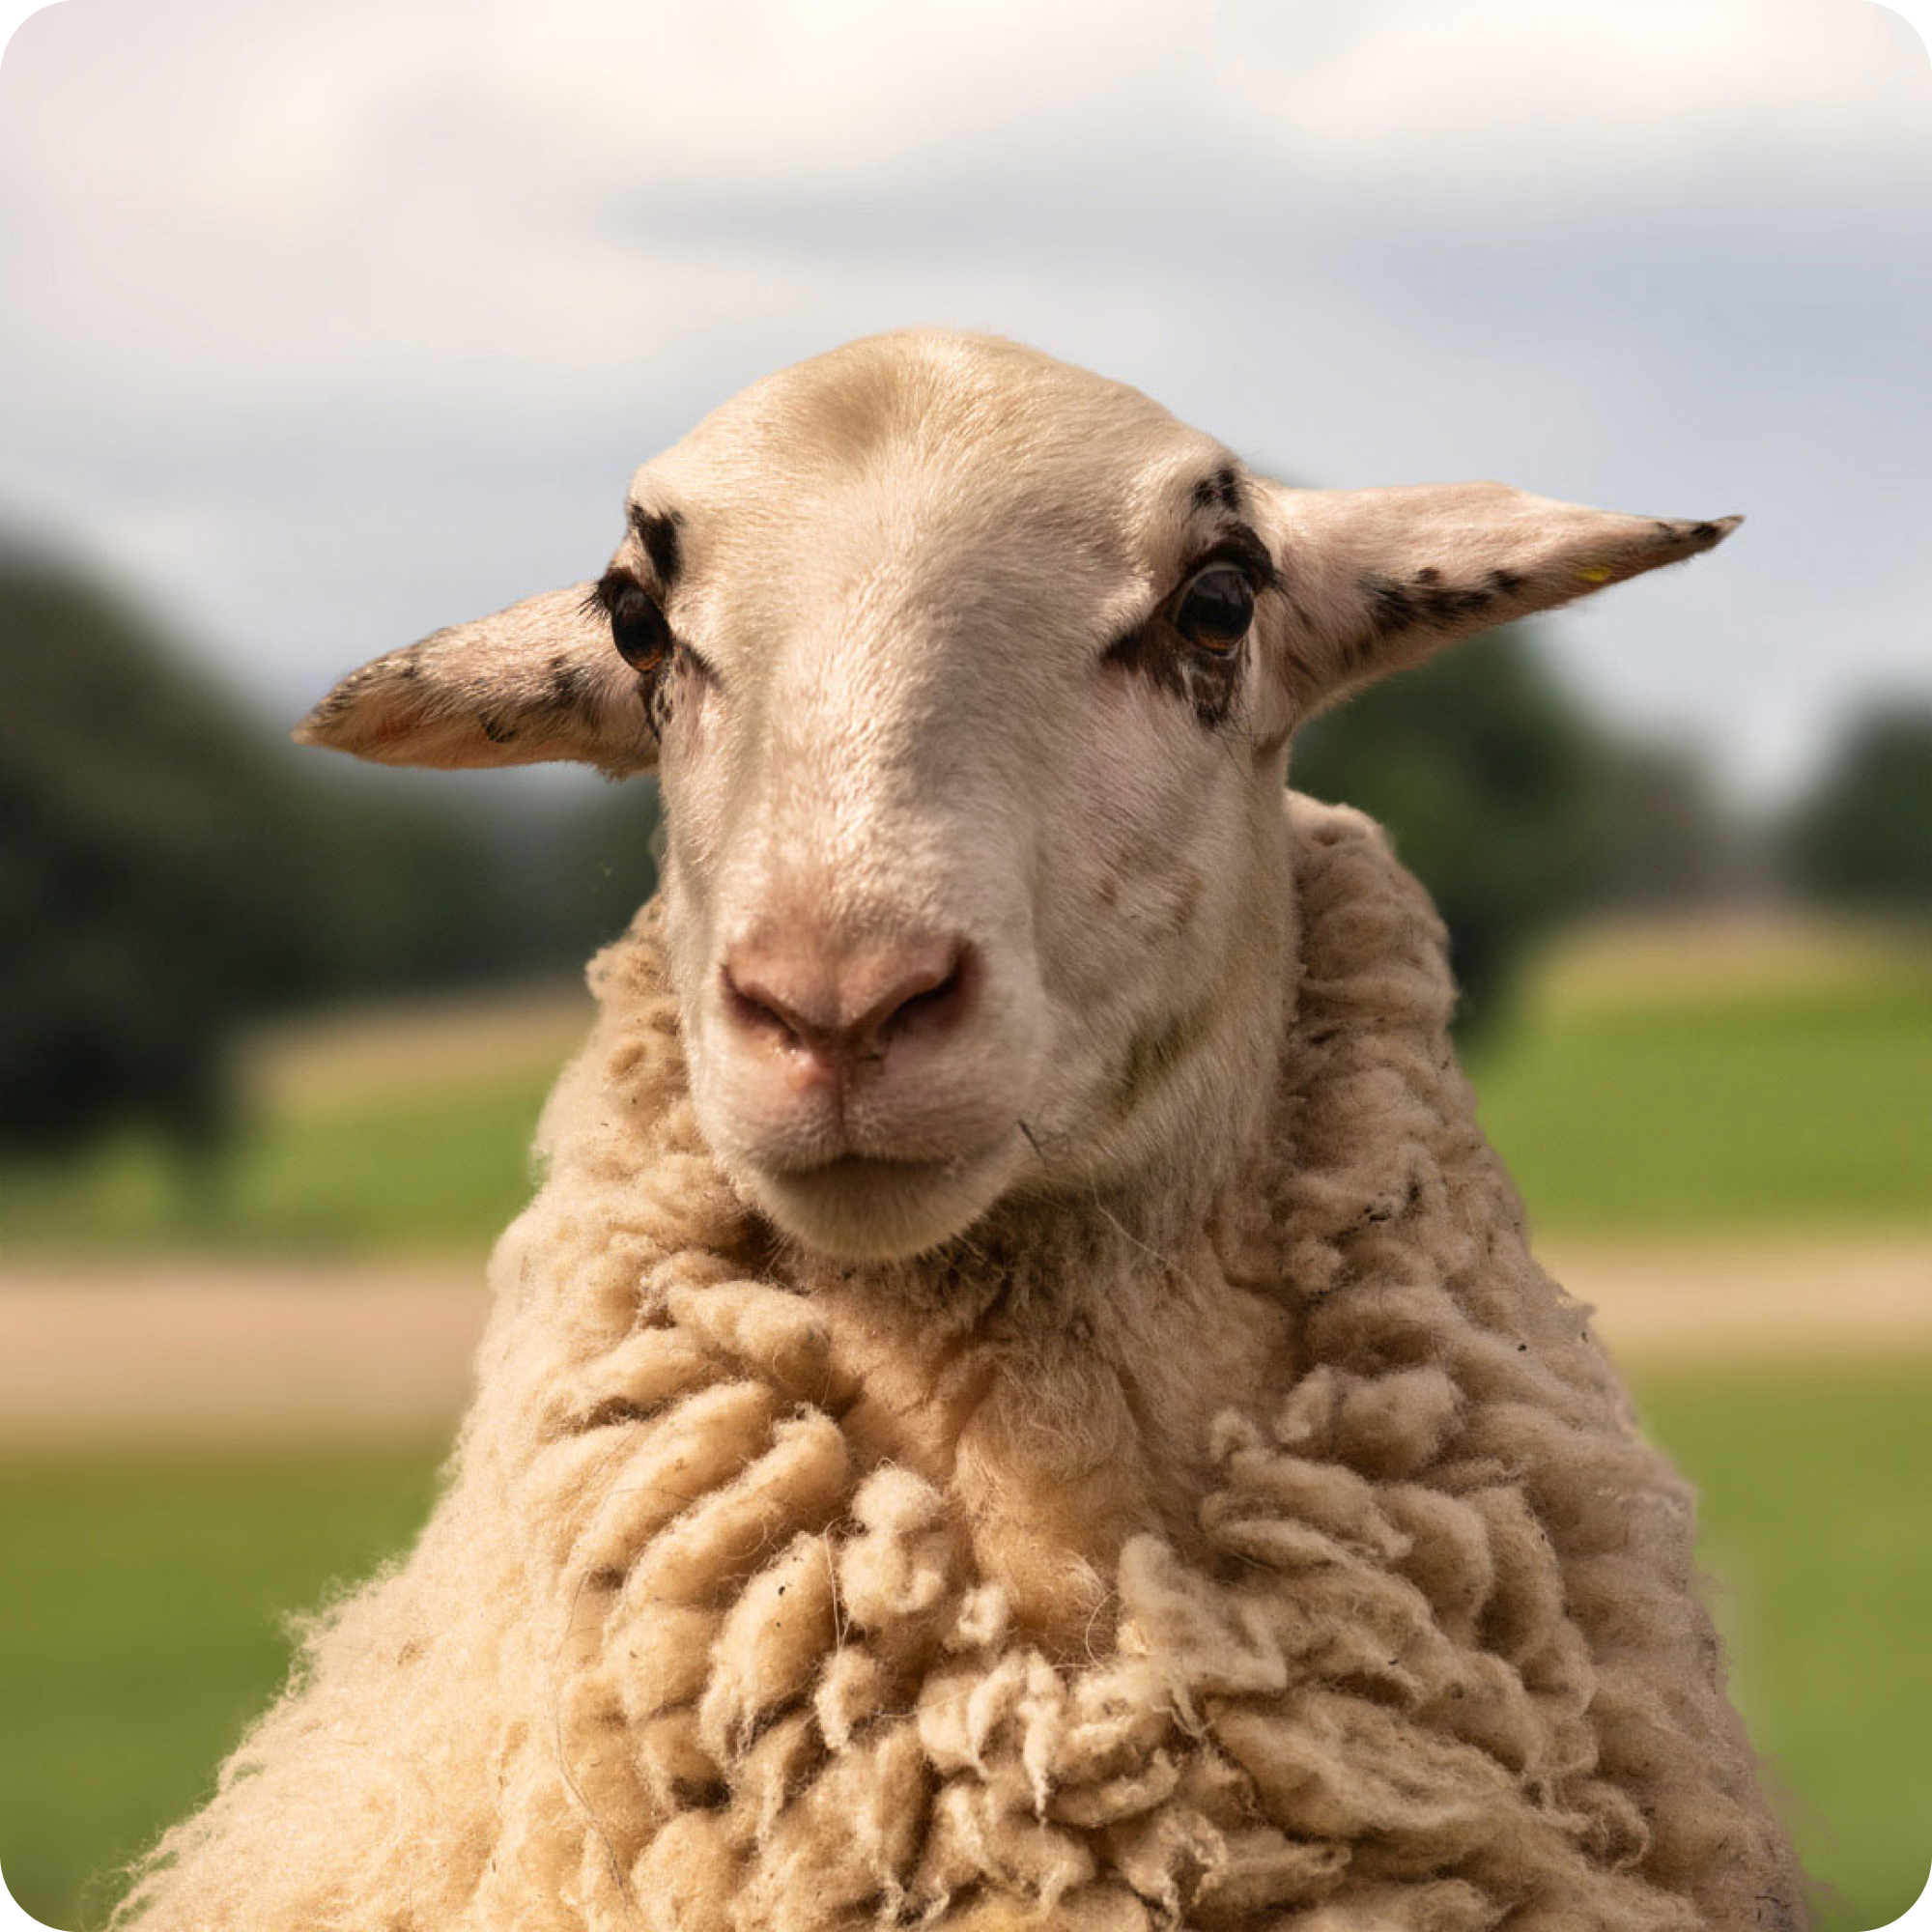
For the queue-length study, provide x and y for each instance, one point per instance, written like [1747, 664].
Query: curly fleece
[1290, 1564]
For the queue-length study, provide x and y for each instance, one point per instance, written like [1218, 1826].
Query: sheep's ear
[537, 682]
[1376, 579]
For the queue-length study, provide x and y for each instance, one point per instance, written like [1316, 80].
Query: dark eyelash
[604, 592]
[1244, 549]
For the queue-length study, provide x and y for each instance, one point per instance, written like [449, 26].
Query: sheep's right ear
[1376, 579]
[539, 681]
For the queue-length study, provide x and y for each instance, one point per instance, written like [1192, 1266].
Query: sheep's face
[971, 778]
[969, 679]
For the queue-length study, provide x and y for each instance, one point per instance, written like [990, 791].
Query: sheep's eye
[637, 628]
[1216, 607]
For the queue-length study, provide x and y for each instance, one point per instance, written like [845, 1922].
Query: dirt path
[1794, 1300]
[221, 1351]
[225, 1352]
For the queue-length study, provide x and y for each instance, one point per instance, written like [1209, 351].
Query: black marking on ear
[1391, 604]
[1700, 534]
[1423, 600]
[568, 683]
[349, 692]
[658, 531]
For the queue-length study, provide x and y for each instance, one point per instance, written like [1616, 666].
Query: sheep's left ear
[1375, 580]
[539, 681]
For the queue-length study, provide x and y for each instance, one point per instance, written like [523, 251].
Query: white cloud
[409, 196]
[1625, 96]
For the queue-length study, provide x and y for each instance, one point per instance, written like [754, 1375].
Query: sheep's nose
[841, 1004]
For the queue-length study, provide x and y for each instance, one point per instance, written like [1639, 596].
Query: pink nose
[841, 1004]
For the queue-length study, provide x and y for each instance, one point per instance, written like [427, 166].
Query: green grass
[1815, 1507]
[142, 1627]
[431, 1171]
[142, 1604]
[1802, 1110]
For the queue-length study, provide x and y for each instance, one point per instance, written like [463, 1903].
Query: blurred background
[324, 328]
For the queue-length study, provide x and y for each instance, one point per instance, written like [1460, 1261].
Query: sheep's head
[969, 678]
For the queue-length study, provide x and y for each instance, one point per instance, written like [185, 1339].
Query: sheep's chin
[855, 1209]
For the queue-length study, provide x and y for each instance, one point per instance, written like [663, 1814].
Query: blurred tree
[1863, 835]
[416, 891]
[581, 873]
[1497, 788]
[146, 889]
[166, 871]
[1669, 842]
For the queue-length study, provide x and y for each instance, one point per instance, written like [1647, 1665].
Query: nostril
[757, 1007]
[932, 994]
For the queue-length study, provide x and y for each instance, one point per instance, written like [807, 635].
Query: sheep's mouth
[856, 1177]
[847, 1170]
[880, 1207]
[842, 1160]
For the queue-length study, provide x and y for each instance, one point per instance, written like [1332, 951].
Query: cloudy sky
[321, 327]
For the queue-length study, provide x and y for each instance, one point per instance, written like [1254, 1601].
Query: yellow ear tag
[1594, 573]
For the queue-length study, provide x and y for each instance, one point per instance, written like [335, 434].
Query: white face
[969, 678]
[970, 789]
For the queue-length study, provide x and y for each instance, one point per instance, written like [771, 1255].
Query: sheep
[1023, 1398]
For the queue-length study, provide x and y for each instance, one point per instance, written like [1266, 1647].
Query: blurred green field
[141, 1625]
[1675, 1080]
[1802, 1102]
[403, 1173]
